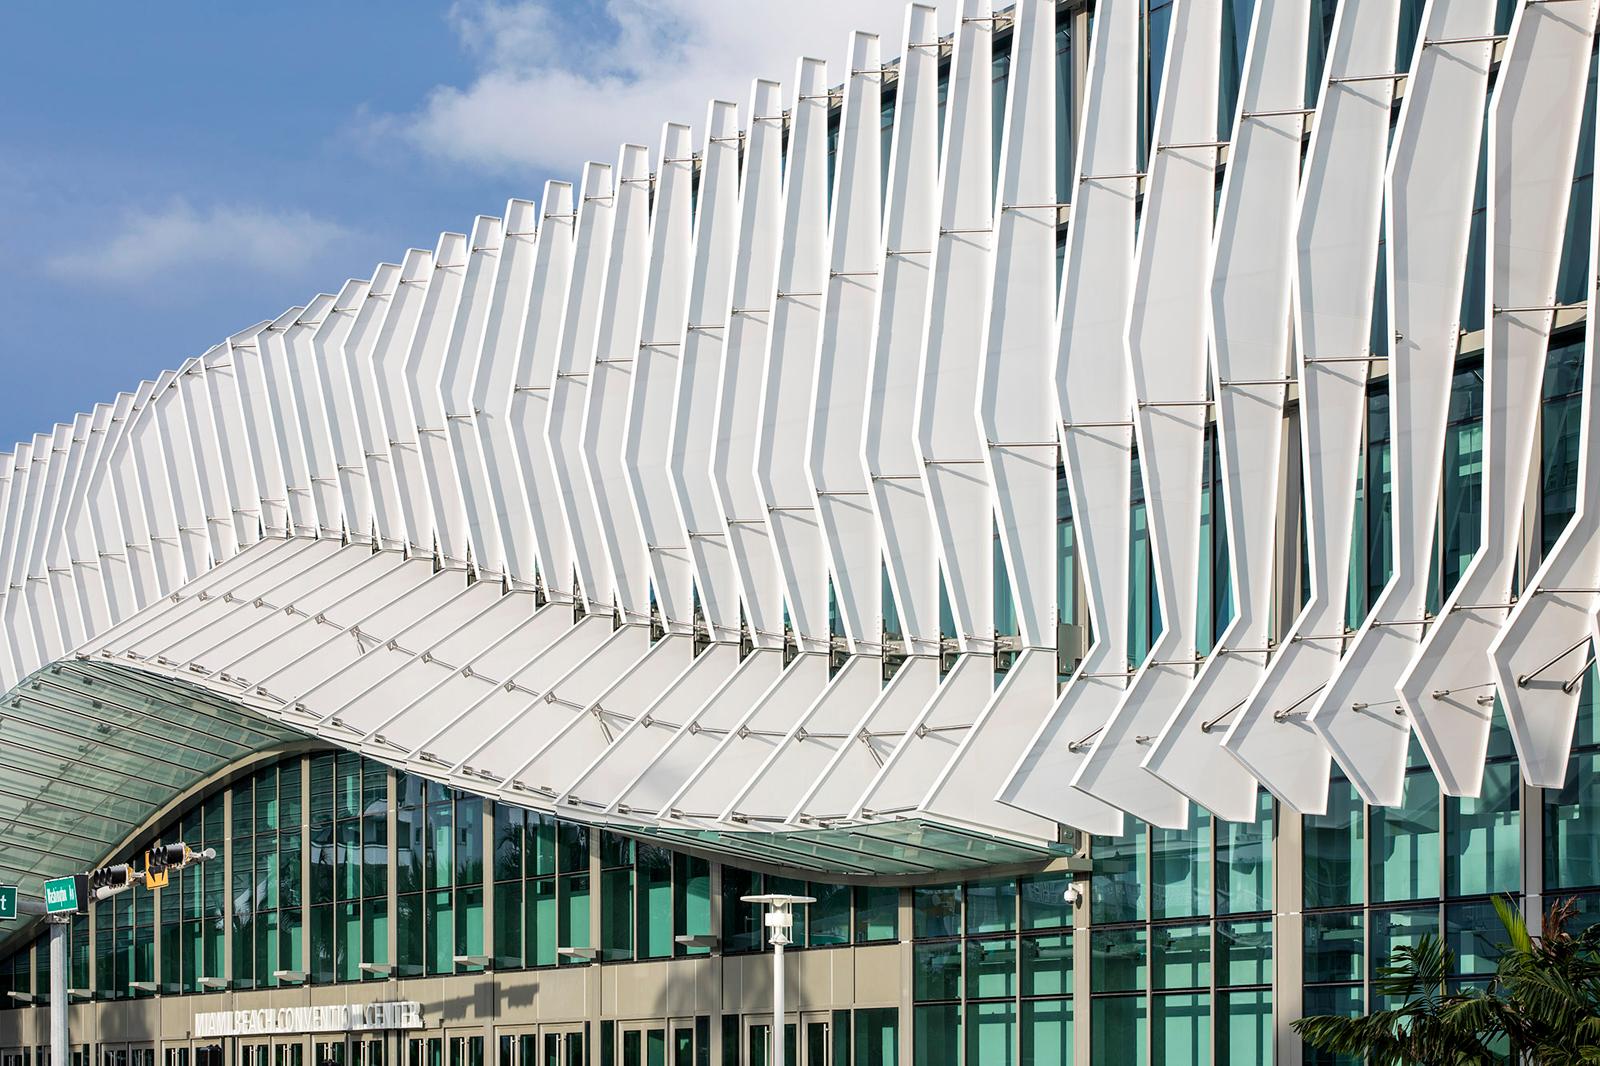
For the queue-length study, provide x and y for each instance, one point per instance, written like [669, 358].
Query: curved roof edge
[96, 755]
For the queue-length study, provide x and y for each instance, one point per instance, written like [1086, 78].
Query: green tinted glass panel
[691, 904]
[440, 841]
[573, 845]
[1244, 952]
[1180, 956]
[1046, 964]
[1394, 929]
[936, 1035]
[574, 911]
[507, 925]
[1244, 861]
[440, 932]
[1571, 828]
[1341, 1001]
[616, 914]
[936, 971]
[507, 844]
[654, 915]
[1043, 901]
[936, 911]
[469, 922]
[992, 906]
[1117, 1030]
[1117, 960]
[469, 841]
[1332, 849]
[1244, 1026]
[877, 914]
[1333, 947]
[1180, 881]
[1474, 935]
[1180, 1028]
[992, 1033]
[991, 968]
[1121, 872]
[540, 921]
[1405, 842]
[1047, 1032]
[828, 919]
[1483, 844]
[408, 930]
[877, 1037]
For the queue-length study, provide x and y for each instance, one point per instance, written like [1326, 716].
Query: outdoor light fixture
[213, 982]
[79, 993]
[779, 920]
[142, 986]
[377, 969]
[586, 954]
[292, 977]
[22, 997]
[472, 960]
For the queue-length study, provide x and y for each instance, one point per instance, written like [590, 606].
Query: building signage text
[338, 1018]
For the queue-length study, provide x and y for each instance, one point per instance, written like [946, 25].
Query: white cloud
[558, 84]
[181, 243]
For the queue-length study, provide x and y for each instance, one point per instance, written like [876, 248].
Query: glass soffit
[909, 848]
[90, 751]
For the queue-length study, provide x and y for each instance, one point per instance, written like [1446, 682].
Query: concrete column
[907, 975]
[1288, 932]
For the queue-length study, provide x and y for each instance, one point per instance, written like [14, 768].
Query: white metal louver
[603, 506]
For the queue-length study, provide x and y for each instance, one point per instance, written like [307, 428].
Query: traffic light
[108, 879]
[164, 857]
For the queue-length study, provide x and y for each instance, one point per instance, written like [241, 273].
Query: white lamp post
[779, 920]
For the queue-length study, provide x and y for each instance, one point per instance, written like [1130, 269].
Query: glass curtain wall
[1180, 946]
[992, 965]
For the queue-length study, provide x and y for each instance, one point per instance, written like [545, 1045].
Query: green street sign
[8, 903]
[61, 896]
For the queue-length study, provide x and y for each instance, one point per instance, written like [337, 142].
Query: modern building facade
[1136, 452]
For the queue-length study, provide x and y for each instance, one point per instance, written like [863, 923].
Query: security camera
[1073, 895]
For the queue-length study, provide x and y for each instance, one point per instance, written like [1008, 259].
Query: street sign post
[62, 896]
[8, 903]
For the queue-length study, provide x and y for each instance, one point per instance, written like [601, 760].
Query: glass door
[289, 1052]
[247, 1053]
[683, 1042]
[368, 1051]
[329, 1053]
[690, 1041]
[425, 1050]
[817, 1045]
[560, 1045]
[643, 1043]
[758, 1041]
[466, 1049]
[516, 1047]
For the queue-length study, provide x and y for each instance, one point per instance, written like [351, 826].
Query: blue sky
[172, 173]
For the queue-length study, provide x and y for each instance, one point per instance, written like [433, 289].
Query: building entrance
[643, 1043]
[365, 1050]
[544, 1045]
[806, 1043]
[127, 1055]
